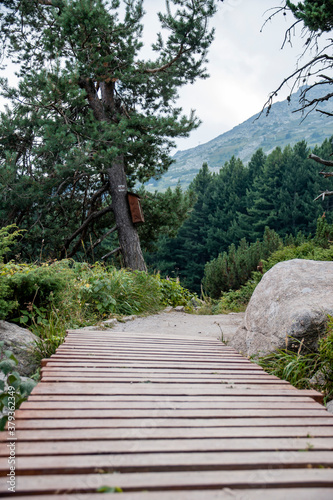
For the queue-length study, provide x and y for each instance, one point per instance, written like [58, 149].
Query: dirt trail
[185, 324]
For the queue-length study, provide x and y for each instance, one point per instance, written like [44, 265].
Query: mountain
[279, 128]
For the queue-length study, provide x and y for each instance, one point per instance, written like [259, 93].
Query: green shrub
[232, 269]
[13, 389]
[299, 368]
[8, 236]
[173, 293]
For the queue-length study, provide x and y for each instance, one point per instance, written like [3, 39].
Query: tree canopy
[91, 116]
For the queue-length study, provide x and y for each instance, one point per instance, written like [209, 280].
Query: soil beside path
[185, 324]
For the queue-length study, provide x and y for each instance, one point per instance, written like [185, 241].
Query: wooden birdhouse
[135, 208]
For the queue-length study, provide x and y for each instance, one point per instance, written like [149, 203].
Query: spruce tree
[90, 116]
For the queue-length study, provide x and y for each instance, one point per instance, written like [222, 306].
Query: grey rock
[180, 308]
[21, 342]
[125, 319]
[292, 301]
[110, 322]
[329, 406]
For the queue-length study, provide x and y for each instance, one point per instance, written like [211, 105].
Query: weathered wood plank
[137, 462]
[129, 446]
[75, 434]
[168, 413]
[223, 494]
[275, 478]
[155, 421]
[159, 409]
[175, 398]
[182, 405]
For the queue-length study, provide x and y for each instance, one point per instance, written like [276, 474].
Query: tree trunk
[127, 234]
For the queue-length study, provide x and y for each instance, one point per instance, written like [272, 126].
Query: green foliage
[8, 235]
[164, 214]
[87, 103]
[298, 367]
[30, 289]
[13, 389]
[51, 297]
[173, 293]
[109, 489]
[232, 269]
[293, 248]
[237, 300]
[274, 191]
[316, 15]
[108, 291]
[324, 232]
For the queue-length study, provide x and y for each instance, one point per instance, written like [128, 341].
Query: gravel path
[185, 324]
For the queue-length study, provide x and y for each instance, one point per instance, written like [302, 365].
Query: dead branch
[111, 253]
[323, 195]
[97, 242]
[93, 216]
[316, 158]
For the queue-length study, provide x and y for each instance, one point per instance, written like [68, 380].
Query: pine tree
[99, 118]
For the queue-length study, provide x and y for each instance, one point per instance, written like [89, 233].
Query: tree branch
[93, 216]
[170, 63]
[111, 253]
[97, 242]
[322, 195]
[316, 158]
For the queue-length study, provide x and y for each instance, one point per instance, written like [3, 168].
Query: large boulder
[292, 300]
[21, 342]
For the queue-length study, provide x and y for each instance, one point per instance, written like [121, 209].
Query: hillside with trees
[275, 191]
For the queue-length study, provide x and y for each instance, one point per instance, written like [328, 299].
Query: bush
[13, 389]
[104, 291]
[232, 269]
[299, 368]
[173, 293]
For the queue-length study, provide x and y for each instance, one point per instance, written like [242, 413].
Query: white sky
[245, 65]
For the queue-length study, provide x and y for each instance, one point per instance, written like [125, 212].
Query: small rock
[168, 309]
[21, 342]
[110, 322]
[128, 318]
[329, 406]
[180, 308]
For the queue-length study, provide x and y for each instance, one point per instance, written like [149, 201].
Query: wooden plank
[138, 433]
[168, 413]
[155, 421]
[159, 389]
[137, 462]
[161, 408]
[275, 478]
[150, 365]
[223, 494]
[183, 405]
[232, 381]
[90, 368]
[290, 398]
[129, 446]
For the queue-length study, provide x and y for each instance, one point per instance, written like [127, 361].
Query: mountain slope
[279, 128]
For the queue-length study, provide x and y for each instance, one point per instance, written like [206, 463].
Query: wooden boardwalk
[166, 417]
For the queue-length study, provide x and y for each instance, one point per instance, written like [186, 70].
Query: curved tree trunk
[127, 234]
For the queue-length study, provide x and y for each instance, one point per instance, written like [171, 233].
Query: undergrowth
[55, 296]
[307, 369]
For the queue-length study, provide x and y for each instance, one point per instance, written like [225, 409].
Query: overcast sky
[245, 65]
